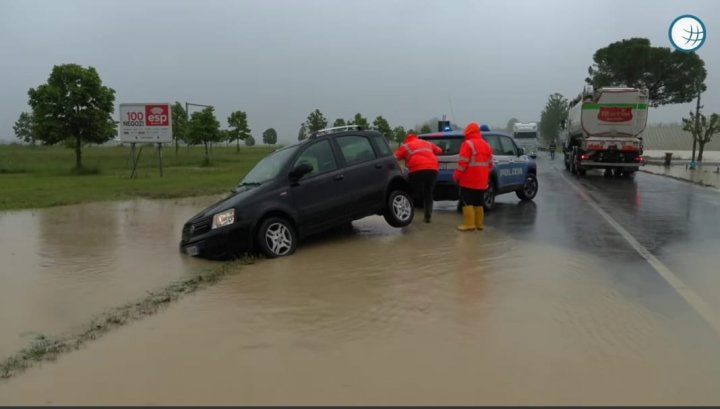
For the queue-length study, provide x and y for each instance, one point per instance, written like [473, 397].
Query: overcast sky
[408, 60]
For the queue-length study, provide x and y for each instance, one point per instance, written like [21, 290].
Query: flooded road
[551, 304]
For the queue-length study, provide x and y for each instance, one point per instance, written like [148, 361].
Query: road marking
[673, 280]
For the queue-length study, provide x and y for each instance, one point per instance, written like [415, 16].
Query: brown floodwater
[423, 315]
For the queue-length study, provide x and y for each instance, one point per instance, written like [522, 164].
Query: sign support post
[160, 161]
[146, 123]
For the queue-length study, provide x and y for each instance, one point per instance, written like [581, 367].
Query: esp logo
[157, 115]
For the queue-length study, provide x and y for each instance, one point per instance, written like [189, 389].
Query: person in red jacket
[422, 163]
[472, 174]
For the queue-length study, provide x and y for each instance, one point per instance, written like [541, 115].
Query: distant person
[552, 148]
[472, 174]
[422, 163]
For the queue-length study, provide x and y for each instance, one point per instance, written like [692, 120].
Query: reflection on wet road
[549, 305]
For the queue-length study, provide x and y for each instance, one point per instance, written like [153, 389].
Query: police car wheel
[529, 189]
[399, 210]
[489, 199]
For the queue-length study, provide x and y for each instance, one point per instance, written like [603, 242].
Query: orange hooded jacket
[475, 162]
[418, 154]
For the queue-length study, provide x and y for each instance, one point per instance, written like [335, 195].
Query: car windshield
[269, 167]
[449, 145]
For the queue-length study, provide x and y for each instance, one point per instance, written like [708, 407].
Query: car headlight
[225, 218]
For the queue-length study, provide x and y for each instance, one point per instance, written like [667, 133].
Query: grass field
[40, 176]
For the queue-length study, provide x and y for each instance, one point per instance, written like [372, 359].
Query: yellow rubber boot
[469, 219]
[479, 217]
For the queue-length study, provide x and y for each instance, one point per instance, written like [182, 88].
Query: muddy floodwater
[533, 310]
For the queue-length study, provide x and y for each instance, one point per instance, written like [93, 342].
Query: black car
[328, 180]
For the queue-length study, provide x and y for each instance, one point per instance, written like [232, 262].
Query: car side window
[320, 156]
[382, 145]
[494, 143]
[356, 149]
[508, 146]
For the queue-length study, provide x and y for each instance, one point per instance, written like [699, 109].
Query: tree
[701, 129]
[269, 136]
[179, 124]
[425, 129]
[238, 127]
[339, 122]
[204, 128]
[302, 134]
[671, 77]
[399, 134]
[73, 106]
[510, 123]
[24, 128]
[556, 111]
[381, 125]
[315, 121]
[359, 120]
[250, 141]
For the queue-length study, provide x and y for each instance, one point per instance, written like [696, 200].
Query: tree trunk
[696, 134]
[207, 153]
[238, 146]
[701, 148]
[78, 152]
[177, 146]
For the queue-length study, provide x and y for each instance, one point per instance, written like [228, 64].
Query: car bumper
[219, 243]
[445, 186]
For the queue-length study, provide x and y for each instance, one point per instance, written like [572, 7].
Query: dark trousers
[472, 197]
[423, 186]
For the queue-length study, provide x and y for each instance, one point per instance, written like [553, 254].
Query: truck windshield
[450, 146]
[525, 135]
[269, 167]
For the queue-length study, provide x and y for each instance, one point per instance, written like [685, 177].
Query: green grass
[41, 176]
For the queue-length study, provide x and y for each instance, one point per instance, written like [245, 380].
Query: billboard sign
[145, 123]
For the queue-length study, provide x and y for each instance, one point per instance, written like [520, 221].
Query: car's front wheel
[529, 189]
[399, 211]
[489, 199]
[277, 237]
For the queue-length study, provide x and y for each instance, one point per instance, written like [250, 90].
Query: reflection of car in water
[325, 181]
[512, 171]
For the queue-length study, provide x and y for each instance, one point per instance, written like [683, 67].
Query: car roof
[456, 134]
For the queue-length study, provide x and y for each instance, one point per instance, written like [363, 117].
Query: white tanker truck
[603, 131]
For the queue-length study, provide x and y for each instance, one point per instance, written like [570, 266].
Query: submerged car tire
[529, 189]
[399, 210]
[489, 199]
[276, 237]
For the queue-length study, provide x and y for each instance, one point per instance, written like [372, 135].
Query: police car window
[508, 146]
[356, 149]
[449, 146]
[320, 156]
[494, 143]
[382, 145]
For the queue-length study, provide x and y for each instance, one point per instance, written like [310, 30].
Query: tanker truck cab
[512, 171]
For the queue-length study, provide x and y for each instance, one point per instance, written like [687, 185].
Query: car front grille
[195, 228]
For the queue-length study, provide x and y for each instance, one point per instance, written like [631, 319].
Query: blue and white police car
[512, 171]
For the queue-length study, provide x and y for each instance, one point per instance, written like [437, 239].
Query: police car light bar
[337, 129]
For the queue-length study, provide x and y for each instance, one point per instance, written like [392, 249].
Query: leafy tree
[381, 125]
[671, 77]
[359, 120]
[302, 134]
[250, 141]
[701, 129]
[270, 136]
[425, 129]
[315, 121]
[339, 122]
[204, 128]
[556, 111]
[238, 127]
[179, 124]
[399, 134]
[24, 128]
[510, 123]
[73, 106]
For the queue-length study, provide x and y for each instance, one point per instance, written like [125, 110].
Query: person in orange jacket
[422, 163]
[472, 174]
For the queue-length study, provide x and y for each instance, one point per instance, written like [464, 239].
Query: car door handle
[378, 166]
[339, 177]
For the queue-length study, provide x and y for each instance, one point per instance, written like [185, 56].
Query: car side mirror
[521, 151]
[299, 171]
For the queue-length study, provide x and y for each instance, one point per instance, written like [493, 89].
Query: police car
[512, 171]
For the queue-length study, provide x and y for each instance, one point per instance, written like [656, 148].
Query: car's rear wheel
[277, 237]
[489, 199]
[399, 210]
[529, 189]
